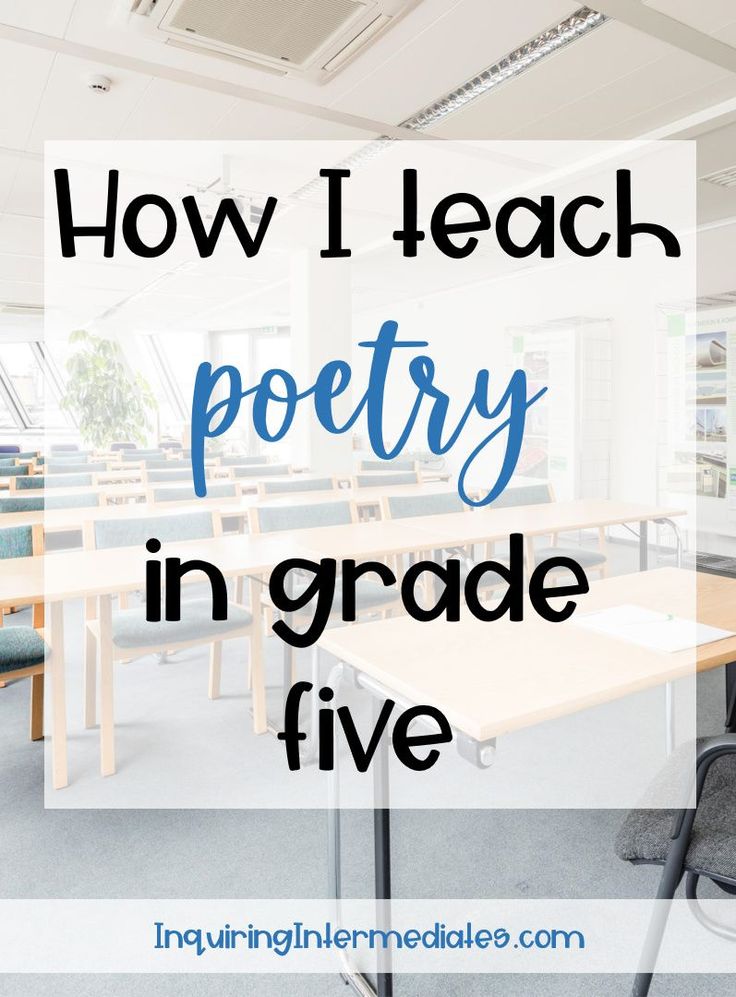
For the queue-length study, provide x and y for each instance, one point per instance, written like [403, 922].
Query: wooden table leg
[60, 772]
[107, 716]
[258, 678]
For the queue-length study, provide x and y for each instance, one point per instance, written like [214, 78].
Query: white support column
[321, 320]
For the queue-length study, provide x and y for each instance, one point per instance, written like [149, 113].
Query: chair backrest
[175, 474]
[64, 468]
[158, 463]
[9, 448]
[121, 446]
[271, 518]
[523, 495]
[259, 470]
[34, 503]
[142, 455]
[229, 489]
[15, 471]
[130, 532]
[403, 506]
[8, 461]
[389, 465]
[28, 455]
[295, 484]
[52, 481]
[241, 461]
[65, 448]
[21, 541]
[376, 480]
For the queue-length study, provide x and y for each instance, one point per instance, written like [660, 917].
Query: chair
[66, 448]
[403, 506]
[389, 465]
[22, 648]
[9, 448]
[54, 481]
[371, 596]
[64, 468]
[377, 480]
[122, 447]
[442, 503]
[175, 474]
[696, 842]
[269, 519]
[260, 470]
[297, 484]
[241, 461]
[542, 494]
[17, 471]
[124, 632]
[228, 489]
[34, 503]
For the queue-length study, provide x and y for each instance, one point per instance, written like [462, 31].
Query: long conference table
[73, 518]
[55, 578]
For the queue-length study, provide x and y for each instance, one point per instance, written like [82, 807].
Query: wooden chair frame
[34, 672]
[99, 646]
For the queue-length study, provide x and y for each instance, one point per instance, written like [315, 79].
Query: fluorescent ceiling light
[577, 25]
[510, 66]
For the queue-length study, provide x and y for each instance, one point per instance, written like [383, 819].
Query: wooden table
[553, 663]
[56, 578]
[98, 574]
[552, 660]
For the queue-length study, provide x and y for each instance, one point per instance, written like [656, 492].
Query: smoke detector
[99, 84]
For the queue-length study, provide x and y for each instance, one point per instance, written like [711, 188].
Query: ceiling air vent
[311, 39]
[722, 178]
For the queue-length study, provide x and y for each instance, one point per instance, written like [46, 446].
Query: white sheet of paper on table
[651, 629]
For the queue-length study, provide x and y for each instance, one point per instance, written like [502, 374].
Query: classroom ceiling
[664, 68]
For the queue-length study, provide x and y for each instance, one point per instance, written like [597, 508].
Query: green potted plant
[108, 400]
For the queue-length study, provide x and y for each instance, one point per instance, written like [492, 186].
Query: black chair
[695, 842]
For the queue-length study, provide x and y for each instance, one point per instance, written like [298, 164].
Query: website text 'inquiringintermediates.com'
[316, 936]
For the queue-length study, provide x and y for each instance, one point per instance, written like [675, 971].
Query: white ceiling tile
[469, 37]
[70, 110]
[173, 111]
[47, 17]
[23, 269]
[8, 170]
[705, 15]
[21, 235]
[26, 192]
[16, 292]
[23, 74]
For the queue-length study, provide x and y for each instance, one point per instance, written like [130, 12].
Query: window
[30, 387]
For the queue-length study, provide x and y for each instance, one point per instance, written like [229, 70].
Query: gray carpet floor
[281, 854]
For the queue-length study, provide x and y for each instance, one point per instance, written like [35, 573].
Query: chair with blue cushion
[72, 468]
[261, 470]
[389, 465]
[182, 493]
[390, 478]
[123, 632]
[175, 474]
[17, 471]
[9, 448]
[241, 461]
[371, 596]
[35, 481]
[542, 494]
[34, 503]
[22, 648]
[296, 484]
